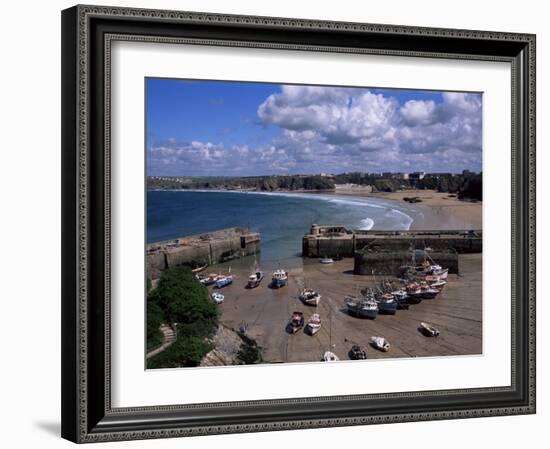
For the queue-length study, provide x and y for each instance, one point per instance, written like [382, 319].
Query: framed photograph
[278, 224]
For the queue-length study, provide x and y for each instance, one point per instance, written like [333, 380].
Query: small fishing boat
[313, 324]
[414, 293]
[296, 322]
[208, 280]
[429, 330]
[199, 269]
[218, 298]
[310, 297]
[428, 292]
[362, 307]
[401, 296]
[433, 269]
[329, 356]
[255, 279]
[435, 281]
[279, 278]
[386, 304]
[356, 353]
[380, 343]
[224, 281]
[326, 260]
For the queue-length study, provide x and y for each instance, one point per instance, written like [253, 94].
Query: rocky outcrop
[227, 344]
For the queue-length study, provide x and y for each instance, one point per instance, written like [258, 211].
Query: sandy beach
[441, 209]
[456, 312]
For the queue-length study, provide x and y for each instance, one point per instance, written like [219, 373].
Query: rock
[226, 346]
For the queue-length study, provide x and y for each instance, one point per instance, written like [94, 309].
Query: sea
[282, 218]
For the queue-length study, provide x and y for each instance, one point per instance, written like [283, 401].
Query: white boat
[279, 278]
[208, 280]
[380, 343]
[435, 281]
[310, 296]
[326, 260]
[313, 324]
[255, 279]
[218, 298]
[329, 356]
[433, 269]
[429, 330]
[400, 294]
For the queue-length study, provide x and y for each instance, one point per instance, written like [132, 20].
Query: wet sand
[441, 208]
[456, 312]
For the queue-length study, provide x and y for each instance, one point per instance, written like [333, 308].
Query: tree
[186, 301]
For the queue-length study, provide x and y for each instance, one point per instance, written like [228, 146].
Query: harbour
[330, 291]
[264, 313]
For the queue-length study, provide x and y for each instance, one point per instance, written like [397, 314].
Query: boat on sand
[313, 324]
[380, 343]
[310, 297]
[429, 330]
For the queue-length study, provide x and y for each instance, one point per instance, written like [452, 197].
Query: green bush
[185, 351]
[181, 300]
[186, 301]
[155, 317]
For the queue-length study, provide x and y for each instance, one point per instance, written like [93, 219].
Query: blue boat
[387, 304]
[362, 307]
[279, 278]
[224, 281]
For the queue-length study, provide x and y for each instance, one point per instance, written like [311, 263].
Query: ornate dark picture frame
[87, 33]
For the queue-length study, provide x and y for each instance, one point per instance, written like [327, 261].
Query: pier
[334, 241]
[202, 249]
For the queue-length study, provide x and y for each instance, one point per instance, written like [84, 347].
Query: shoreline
[444, 208]
[436, 211]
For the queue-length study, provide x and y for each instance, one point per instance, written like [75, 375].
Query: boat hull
[278, 283]
[414, 299]
[224, 283]
[429, 295]
[312, 330]
[310, 301]
[387, 308]
[369, 314]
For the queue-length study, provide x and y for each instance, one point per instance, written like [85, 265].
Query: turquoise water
[281, 218]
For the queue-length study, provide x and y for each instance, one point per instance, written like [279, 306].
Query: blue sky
[203, 128]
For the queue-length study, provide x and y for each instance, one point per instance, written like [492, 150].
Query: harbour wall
[392, 262]
[333, 241]
[203, 249]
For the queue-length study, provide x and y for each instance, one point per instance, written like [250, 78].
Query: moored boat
[435, 281]
[279, 278]
[310, 297]
[428, 292]
[224, 281]
[208, 280]
[386, 304]
[380, 343]
[199, 269]
[296, 322]
[313, 324]
[329, 356]
[356, 353]
[414, 293]
[255, 279]
[218, 298]
[429, 330]
[326, 260]
[362, 307]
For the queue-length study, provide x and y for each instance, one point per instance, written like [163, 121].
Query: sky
[217, 128]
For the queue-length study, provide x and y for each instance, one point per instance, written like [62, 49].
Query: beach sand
[456, 312]
[442, 211]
